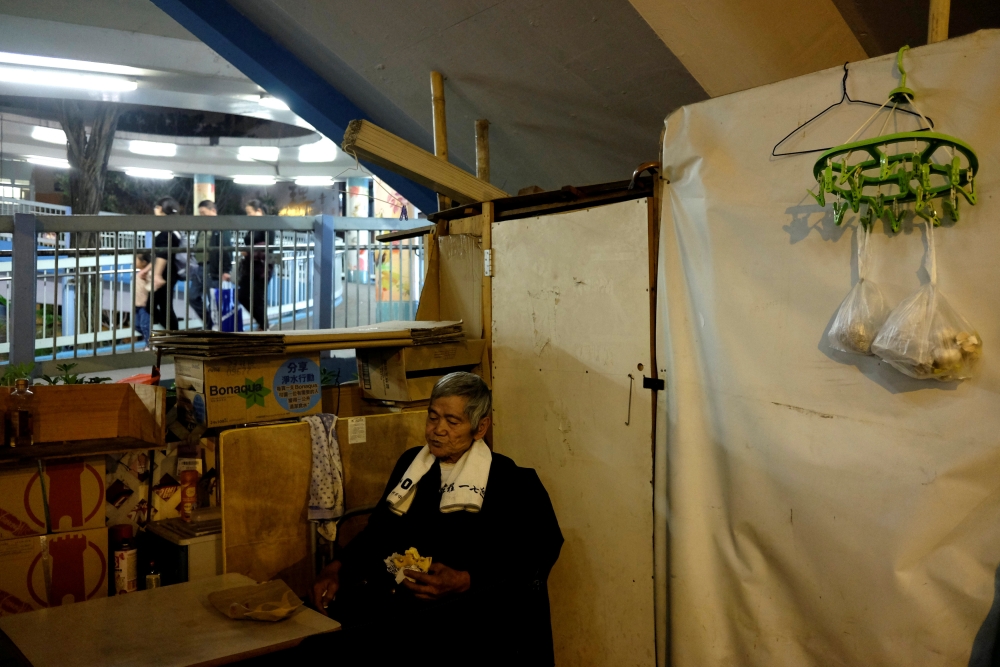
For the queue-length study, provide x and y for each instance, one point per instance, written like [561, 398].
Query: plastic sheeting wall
[824, 509]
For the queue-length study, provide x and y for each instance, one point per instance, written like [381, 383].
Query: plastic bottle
[153, 576]
[22, 414]
[126, 560]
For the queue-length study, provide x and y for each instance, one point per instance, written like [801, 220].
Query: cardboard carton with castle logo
[53, 570]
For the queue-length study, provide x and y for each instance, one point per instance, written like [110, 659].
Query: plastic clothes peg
[839, 209]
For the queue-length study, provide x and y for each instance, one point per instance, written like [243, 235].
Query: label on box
[296, 385]
[357, 430]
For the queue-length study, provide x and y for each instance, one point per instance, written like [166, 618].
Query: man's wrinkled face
[448, 431]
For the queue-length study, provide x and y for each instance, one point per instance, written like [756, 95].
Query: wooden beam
[937, 24]
[405, 234]
[731, 45]
[440, 128]
[483, 150]
[371, 143]
[486, 242]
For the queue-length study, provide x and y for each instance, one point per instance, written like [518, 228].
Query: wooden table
[172, 626]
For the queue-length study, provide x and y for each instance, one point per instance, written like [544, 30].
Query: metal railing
[72, 286]
[10, 206]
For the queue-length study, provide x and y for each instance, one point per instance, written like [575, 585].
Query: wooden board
[265, 474]
[567, 334]
[368, 463]
[461, 276]
[371, 143]
[173, 626]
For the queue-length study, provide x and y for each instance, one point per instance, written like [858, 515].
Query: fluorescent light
[157, 148]
[323, 150]
[57, 162]
[254, 180]
[63, 63]
[314, 180]
[51, 77]
[273, 103]
[139, 172]
[262, 153]
[51, 135]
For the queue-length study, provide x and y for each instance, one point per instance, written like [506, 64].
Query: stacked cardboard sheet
[207, 344]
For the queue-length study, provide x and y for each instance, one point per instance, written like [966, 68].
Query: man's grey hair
[470, 386]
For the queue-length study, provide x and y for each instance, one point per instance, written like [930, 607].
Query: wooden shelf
[75, 449]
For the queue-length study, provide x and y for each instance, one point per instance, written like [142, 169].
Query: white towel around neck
[463, 489]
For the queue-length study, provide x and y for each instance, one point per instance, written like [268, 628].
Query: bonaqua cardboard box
[244, 390]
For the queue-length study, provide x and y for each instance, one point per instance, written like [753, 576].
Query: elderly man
[490, 529]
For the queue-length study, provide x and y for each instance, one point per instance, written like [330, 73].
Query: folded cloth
[273, 601]
[463, 489]
[326, 490]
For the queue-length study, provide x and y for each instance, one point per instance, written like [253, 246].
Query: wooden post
[937, 23]
[483, 150]
[440, 128]
[487, 245]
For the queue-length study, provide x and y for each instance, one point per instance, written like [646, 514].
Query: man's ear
[484, 426]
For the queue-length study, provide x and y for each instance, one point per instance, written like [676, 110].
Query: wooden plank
[369, 461]
[405, 234]
[66, 450]
[473, 226]
[461, 279]
[430, 295]
[371, 143]
[731, 45]
[483, 150]
[487, 298]
[265, 476]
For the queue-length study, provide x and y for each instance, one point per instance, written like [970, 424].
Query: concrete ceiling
[576, 90]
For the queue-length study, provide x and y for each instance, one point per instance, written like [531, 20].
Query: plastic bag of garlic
[863, 310]
[925, 338]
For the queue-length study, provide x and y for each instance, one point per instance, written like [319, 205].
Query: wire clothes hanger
[844, 97]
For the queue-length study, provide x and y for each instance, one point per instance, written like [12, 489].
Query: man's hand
[440, 581]
[225, 277]
[326, 586]
[158, 282]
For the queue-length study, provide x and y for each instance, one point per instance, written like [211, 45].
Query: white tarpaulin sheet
[825, 510]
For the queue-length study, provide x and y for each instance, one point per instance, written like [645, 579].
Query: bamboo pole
[440, 128]
[483, 150]
[937, 23]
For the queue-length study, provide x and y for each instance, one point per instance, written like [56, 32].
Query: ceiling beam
[275, 69]
[732, 45]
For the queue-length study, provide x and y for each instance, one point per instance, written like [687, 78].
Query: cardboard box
[22, 576]
[74, 564]
[68, 413]
[245, 390]
[409, 373]
[22, 513]
[75, 491]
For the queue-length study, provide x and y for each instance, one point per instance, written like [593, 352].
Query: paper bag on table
[272, 601]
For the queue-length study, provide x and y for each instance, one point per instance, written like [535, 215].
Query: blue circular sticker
[296, 385]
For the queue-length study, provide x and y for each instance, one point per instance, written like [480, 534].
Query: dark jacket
[508, 548]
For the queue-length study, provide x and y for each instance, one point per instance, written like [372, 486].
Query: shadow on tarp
[985, 647]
